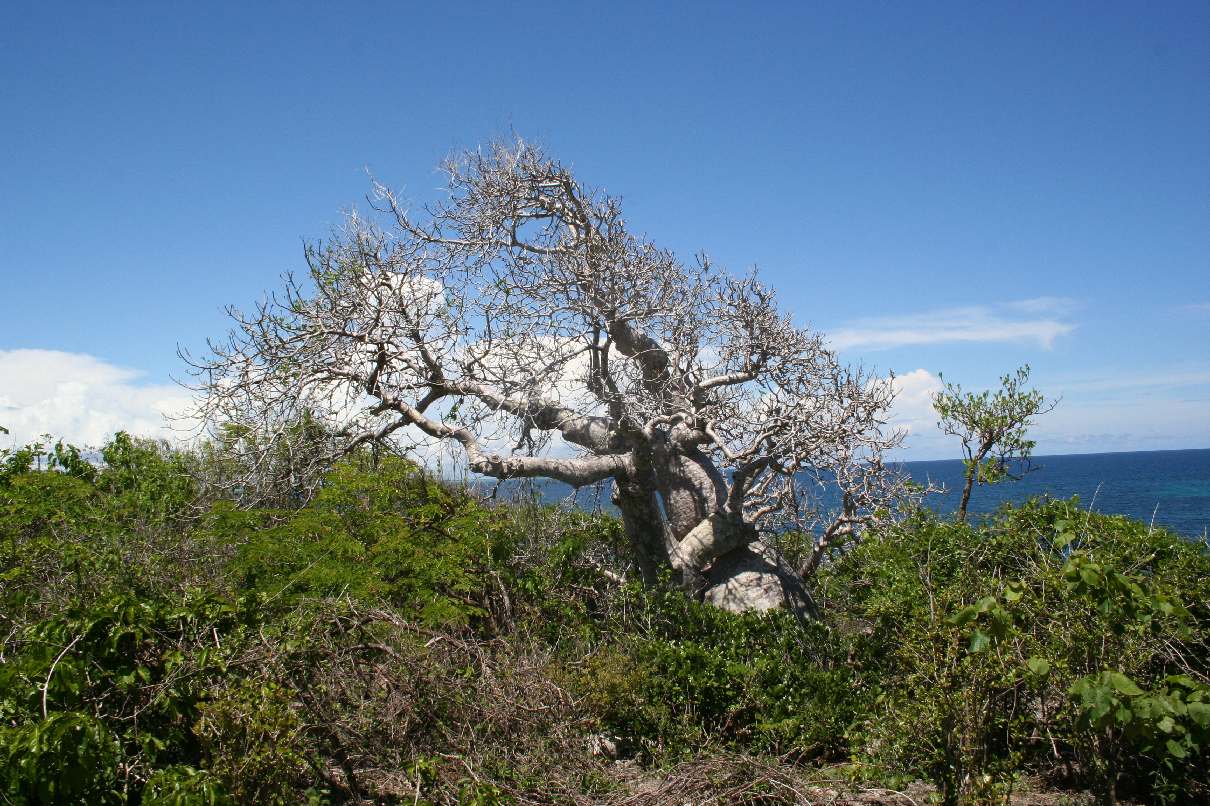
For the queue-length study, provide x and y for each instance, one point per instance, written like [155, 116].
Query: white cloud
[1037, 320]
[1053, 305]
[1154, 381]
[80, 398]
[1090, 417]
[913, 413]
[914, 399]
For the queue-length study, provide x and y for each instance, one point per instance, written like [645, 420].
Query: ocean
[1167, 488]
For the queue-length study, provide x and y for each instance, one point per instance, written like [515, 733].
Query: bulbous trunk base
[681, 525]
[755, 577]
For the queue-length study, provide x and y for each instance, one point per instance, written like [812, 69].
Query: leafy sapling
[992, 427]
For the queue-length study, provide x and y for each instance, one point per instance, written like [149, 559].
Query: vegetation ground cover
[395, 640]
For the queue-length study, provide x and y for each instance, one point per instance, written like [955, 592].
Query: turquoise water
[1171, 487]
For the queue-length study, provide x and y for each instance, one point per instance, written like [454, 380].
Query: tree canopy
[992, 427]
[522, 320]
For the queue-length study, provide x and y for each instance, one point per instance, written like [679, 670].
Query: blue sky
[955, 188]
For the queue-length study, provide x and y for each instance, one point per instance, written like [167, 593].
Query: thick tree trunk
[645, 528]
[756, 577]
[718, 557]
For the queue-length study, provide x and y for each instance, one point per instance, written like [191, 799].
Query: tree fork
[519, 316]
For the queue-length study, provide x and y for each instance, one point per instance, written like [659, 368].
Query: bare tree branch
[521, 320]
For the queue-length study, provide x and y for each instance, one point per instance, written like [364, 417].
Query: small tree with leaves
[992, 427]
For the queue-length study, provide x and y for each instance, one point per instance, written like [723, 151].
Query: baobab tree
[522, 322]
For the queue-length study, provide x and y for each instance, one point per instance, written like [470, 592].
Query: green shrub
[981, 635]
[67, 757]
[184, 786]
[679, 675]
[148, 483]
[73, 533]
[53, 545]
[393, 639]
[254, 741]
[138, 668]
[387, 533]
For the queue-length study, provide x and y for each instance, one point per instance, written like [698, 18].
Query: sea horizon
[1169, 488]
[1040, 456]
[1166, 488]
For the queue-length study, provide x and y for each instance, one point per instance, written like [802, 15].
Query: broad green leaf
[1123, 684]
[1039, 666]
[1199, 712]
[1102, 704]
[963, 616]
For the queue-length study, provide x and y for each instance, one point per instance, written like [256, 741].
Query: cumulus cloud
[1039, 320]
[913, 407]
[912, 412]
[80, 398]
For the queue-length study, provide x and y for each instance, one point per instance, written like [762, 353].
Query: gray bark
[756, 577]
[644, 527]
[520, 311]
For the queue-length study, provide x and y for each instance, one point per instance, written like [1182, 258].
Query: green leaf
[979, 641]
[964, 616]
[1101, 704]
[1039, 666]
[1199, 712]
[1176, 750]
[1123, 684]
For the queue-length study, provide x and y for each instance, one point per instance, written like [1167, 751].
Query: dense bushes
[385, 533]
[372, 644]
[1046, 640]
[394, 640]
[677, 676]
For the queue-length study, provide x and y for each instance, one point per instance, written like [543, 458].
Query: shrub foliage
[393, 639]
